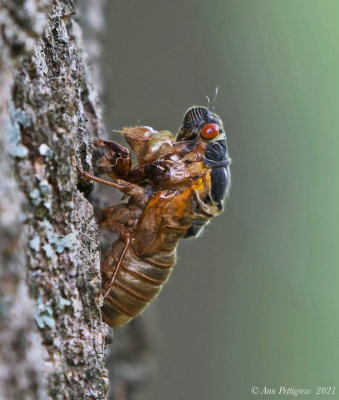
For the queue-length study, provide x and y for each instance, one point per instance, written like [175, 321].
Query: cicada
[177, 184]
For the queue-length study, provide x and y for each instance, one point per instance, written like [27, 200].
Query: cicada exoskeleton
[176, 186]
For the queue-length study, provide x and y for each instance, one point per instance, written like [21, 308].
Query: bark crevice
[54, 113]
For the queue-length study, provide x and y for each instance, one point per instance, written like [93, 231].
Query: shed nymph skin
[176, 186]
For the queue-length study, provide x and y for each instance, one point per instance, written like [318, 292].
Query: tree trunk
[48, 230]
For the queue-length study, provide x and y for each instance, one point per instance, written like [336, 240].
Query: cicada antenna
[214, 98]
[208, 102]
[211, 105]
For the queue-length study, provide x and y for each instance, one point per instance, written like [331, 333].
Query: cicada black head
[201, 123]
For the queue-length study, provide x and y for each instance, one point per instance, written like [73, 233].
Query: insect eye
[209, 131]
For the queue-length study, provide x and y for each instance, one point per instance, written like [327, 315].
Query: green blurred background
[254, 301]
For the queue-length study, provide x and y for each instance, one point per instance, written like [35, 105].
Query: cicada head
[200, 123]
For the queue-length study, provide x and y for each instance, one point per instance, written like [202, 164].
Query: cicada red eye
[210, 131]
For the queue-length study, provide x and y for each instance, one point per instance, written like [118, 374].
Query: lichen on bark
[53, 116]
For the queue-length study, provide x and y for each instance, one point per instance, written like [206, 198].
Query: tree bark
[47, 225]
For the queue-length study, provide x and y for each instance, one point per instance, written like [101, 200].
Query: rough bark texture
[53, 113]
[20, 348]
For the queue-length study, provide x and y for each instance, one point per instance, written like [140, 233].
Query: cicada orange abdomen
[177, 185]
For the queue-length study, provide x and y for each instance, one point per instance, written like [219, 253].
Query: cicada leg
[128, 188]
[124, 214]
[126, 237]
[117, 159]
